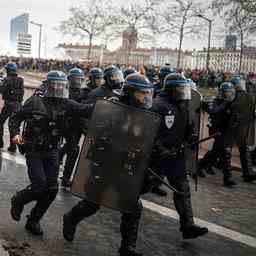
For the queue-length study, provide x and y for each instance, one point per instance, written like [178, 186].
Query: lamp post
[40, 36]
[209, 38]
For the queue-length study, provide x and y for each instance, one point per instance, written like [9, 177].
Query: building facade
[18, 25]
[226, 60]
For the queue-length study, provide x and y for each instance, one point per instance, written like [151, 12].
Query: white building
[226, 59]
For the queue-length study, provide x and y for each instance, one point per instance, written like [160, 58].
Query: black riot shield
[251, 90]
[242, 118]
[115, 155]
[195, 120]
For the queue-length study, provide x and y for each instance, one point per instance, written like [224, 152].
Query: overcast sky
[50, 13]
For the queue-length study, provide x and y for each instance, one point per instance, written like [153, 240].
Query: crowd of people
[203, 78]
[61, 108]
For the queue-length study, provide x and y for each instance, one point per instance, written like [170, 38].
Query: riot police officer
[95, 78]
[221, 113]
[175, 130]
[243, 108]
[74, 126]
[44, 121]
[129, 71]
[12, 91]
[163, 72]
[137, 92]
[113, 78]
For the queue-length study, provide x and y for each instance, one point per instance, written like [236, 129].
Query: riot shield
[115, 155]
[251, 90]
[195, 120]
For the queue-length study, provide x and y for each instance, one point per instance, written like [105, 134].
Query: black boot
[70, 220]
[193, 231]
[65, 183]
[19, 200]
[158, 191]
[1, 143]
[249, 174]
[209, 170]
[69, 229]
[34, 227]
[201, 173]
[129, 231]
[128, 252]
[228, 182]
[12, 148]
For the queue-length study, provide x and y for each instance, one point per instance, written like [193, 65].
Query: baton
[204, 139]
[165, 183]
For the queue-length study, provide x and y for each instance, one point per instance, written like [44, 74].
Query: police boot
[228, 182]
[226, 167]
[193, 231]
[200, 167]
[209, 170]
[33, 226]
[158, 191]
[12, 148]
[1, 143]
[65, 183]
[128, 252]
[249, 174]
[19, 200]
[129, 231]
[70, 220]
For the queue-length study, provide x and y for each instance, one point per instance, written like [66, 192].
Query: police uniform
[12, 91]
[44, 121]
[175, 130]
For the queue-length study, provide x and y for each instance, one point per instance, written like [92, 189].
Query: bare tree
[179, 18]
[238, 20]
[92, 20]
[133, 17]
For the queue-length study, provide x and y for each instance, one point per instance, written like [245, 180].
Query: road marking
[12, 157]
[219, 230]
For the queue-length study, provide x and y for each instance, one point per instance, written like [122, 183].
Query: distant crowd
[202, 77]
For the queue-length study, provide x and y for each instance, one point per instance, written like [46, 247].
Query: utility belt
[28, 147]
[177, 151]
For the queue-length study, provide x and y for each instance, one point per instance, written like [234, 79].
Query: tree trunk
[241, 51]
[90, 47]
[180, 46]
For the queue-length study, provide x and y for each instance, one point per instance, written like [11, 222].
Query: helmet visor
[228, 95]
[57, 89]
[183, 92]
[98, 81]
[76, 82]
[117, 79]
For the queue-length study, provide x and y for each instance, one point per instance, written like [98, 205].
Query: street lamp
[40, 35]
[209, 38]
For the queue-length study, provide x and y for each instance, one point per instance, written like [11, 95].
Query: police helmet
[56, 85]
[227, 91]
[95, 76]
[76, 78]
[113, 77]
[177, 87]
[129, 71]
[138, 90]
[164, 71]
[11, 68]
[238, 82]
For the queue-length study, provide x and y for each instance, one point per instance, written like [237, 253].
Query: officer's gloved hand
[17, 140]
[164, 153]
